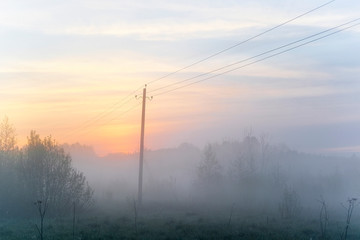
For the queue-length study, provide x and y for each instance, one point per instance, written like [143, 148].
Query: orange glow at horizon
[78, 121]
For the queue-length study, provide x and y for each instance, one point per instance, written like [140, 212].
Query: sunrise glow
[75, 76]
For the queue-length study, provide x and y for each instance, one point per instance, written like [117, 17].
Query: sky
[71, 69]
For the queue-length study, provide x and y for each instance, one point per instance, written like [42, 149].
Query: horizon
[325, 153]
[72, 70]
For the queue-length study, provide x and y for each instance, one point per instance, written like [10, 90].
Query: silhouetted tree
[209, 170]
[264, 148]
[247, 163]
[47, 175]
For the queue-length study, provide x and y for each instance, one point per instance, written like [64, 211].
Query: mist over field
[253, 174]
[153, 119]
[250, 188]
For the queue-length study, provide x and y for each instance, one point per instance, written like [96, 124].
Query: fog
[251, 188]
[254, 176]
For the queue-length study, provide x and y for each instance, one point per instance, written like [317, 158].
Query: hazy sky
[62, 63]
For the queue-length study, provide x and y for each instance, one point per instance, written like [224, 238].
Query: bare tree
[41, 207]
[349, 211]
[324, 219]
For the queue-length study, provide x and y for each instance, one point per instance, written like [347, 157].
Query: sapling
[42, 207]
[324, 220]
[135, 216]
[349, 209]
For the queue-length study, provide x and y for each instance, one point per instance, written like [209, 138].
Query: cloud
[159, 20]
[67, 61]
[160, 31]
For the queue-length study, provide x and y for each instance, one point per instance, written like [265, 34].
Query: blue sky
[64, 62]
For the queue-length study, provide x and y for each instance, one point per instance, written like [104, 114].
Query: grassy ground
[173, 224]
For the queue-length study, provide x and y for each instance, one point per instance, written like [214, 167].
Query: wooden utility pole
[141, 159]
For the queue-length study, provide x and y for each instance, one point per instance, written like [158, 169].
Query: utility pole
[141, 159]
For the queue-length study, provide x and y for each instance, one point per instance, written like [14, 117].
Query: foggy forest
[242, 189]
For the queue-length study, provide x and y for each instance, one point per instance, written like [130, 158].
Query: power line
[250, 58]
[240, 43]
[259, 60]
[101, 115]
[105, 113]
[123, 101]
[112, 119]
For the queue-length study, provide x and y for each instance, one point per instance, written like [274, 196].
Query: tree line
[268, 178]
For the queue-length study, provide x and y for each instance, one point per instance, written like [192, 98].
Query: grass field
[156, 222]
